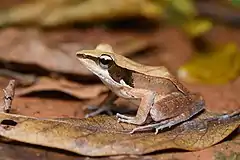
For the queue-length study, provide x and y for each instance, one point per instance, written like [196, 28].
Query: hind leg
[193, 109]
[163, 124]
[169, 115]
[145, 127]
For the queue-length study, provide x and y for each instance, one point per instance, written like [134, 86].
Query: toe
[123, 116]
[123, 120]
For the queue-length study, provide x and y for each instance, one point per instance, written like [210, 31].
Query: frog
[161, 96]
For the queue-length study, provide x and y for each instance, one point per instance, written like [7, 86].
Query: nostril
[8, 122]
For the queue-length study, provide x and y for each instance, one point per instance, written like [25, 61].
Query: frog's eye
[105, 61]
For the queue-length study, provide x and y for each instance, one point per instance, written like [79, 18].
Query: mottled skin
[161, 95]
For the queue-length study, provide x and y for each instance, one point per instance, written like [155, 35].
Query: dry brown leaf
[55, 12]
[28, 47]
[103, 135]
[56, 51]
[74, 89]
[225, 150]
[125, 42]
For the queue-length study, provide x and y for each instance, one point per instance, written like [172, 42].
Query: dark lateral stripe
[118, 73]
[140, 80]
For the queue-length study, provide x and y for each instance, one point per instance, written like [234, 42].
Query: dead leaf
[72, 88]
[53, 13]
[55, 51]
[227, 149]
[27, 47]
[125, 42]
[103, 135]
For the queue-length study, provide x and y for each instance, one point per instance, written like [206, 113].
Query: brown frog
[161, 95]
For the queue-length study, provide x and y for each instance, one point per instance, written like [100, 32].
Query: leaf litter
[213, 95]
[74, 89]
[13, 150]
[31, 49]
[90, 128]
[104, 136]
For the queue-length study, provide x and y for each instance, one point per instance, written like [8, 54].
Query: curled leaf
[32, 50]
[103, 135]
[74, 89]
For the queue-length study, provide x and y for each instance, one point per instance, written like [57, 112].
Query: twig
[9, 92]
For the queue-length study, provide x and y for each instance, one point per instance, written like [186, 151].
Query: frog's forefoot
[118, 115]
[123, 118]
[98, 111]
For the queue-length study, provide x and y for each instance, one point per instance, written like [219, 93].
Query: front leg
[147, 100]
[105, 105]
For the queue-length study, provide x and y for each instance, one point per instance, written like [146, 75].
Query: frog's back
[160, 85]
[150, 77]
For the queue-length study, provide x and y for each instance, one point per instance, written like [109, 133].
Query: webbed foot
[98, 111]
[128, 119]
[123, 118]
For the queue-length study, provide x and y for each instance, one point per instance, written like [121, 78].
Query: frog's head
[104, 63]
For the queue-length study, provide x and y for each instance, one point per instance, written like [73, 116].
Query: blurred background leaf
[216, 67]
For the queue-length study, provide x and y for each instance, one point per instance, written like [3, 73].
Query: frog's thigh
[193, 107]
[174, 105]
